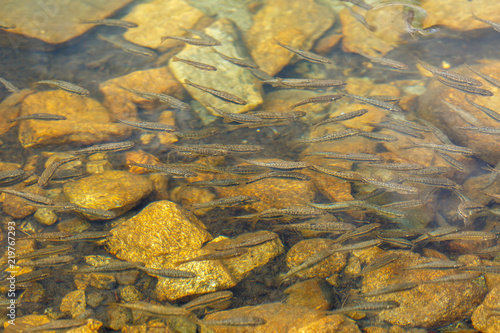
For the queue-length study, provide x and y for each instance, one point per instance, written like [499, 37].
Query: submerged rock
[485, 318]
[87, 121]
[74, 303]
[116, 191]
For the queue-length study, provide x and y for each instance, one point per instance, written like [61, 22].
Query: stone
[290, 23]
[228, 78]
[122, 103]
[117, 191]
[18, 207]
[127, 278]
[313, 294]
[304, 249]
[427, 305]
[118, 317]
[238, 12]
[447, 13]
[160, 18]
[95, 299]
[74, 303]
[286, 318]
[102, 281]
[10, 107]
[45, 216]
[74, 225]
[55, 22]
[486, 146]
[130, 294]
[87, 122]
[485, 318]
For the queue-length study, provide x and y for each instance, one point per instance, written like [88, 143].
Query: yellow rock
[87, 121]
[313, 293]
[10, 108]
[74, 303]
[484, 318]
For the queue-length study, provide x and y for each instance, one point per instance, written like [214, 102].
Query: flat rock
[228, 77]
[10, 108]
[313, 293]
[122, 103]
[74, 303]
[238, 12]
[17, 207]
[485, 318]
[290, 23]
[284, 318]
[459, 17]
[87, 121]
[486, 146]
[160, 228]
[117, 191]
[160, 18]
[427, 305]
[55, 22]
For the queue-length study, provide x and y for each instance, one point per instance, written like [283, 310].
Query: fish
[399, 128]
[359, 3]
[432, 170]
[218, 93]
[196, 64]
[202, 40]
[208, 300]
[319, 99]
[279, 164]
[109, 267]
[307, 263]
[466, 88]
[11, 175]
[407, 204]
[194, 150]
[218, 182]
[32, 198]
[219, 255]
[385, 61]
[39, 116]
[112, 22]
[338, 173]
[354, 157]
[442, 147]
[331, 136]
[235, 321]
[465, 115]
[485, 77]
[453, 76]
[367, 307]
[453, 162]
[452, 278]
[227, 202]
[280, 174]
[45, 252]
[398, 166]
[439, 264]
[239, 62]
[376, 102]
[391, 186]
[342, 117]
[306, 83]
[292, 115]
[50, 170]
[493, 114]
[171, 101]
[156, 310]
[361, 19]
[199, 134]
[379, 263]
[359, 232]
[432, 181]
[310, 56]
[67, 86]
[166, 272]
[256, 239]
[467, 235]
[59, 324]
[167, 169]
[148, 126]
[9, 86]
[485, 130]
[105, 147]
[494, 25]
[393, 288]
[323, 227]
[378, 136]
[50, 261]
[86, 236]
[237, 117]
[129, 47]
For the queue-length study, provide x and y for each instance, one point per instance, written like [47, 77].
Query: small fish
[292, 115]
[323, 227]
[40, 116]
[112, 22]
[379, 263]
[166, 272]
[465, 115]
[359, 232]
[208, 300]
[86, 236]
[332, 136]
[485, 77]
[338, 173]
[237, 117]
[261, 75]
[466, 88]
[31, 197]
[218, 93]
[483, 269]
[307, 263]
[235, 321]
[218, 182]
[398, 166]
[202, 40]
[148, 126]
[436, 264]
[354, 157]
[306, 83]
[280, 174]
[493, 114]
[443, 147]
[49, 236]
[279, 164]
[428, 171]
[98, 213]
[378, 136]
[342, 117]
[105, 147]
[399, 128]
[407, 204]
[66, 86]
[436, 131]
[391, 186]
[453, 278]
[194, 150]
[155, 310]
[393, 288]
[486, 130]
[257, 238]
[168, 169]
[494, 25]
[361, 19]
[59, 324]
[227, 202]
[312, 57]
[451, 161]
[45, 252]
[359, 3]
[239, 62]
[196, 64]
[467, 235]
[199, 134]
[219, 255]
[171, 101]
[110, 267]
[9, 86]
[376, 102]
[49, 171]
[432, 181]
[50, 261]
[6, 176]
[385, 61]
[129, 47]
[367, 307]
[319, 99]
[411, 124]
[453, 76]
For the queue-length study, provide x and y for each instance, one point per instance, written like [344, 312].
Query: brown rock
[102, 281]
[58, 22]
[485, 318]
[122, 102]
[74, 303]
[314, 294]
[304, 249]
[486, 146]
[118, 317]
[10, 108]
[87, 121]
[118, 191]
[285, 318]
[130, 294]
[18, 207]
[160, 18]
[290, 23]
[448, 14]
[427, 305]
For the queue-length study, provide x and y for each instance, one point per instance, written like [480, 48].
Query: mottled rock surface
[117, 191]
[10, 108]
[486, 146]
[55, 22]
[486, 317]
[228, 77]
[87, 121]
[74, 303]
[160, 18]
[285, 318]
[290, 23]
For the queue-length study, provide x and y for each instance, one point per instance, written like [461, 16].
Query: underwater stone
[87, 121]
[117, 191]
[485, 318]
[74, 303]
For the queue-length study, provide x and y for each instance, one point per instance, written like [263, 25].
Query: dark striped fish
[344, 116]
[280, 174]
[237, 117]
[453, 76]
[466, 88]
[485, 77]
[312, 57]
[9, 86]
[202, 40]
[218, 93]
[306, 83]
[112, 22]
[279, 164]
[485, 130]
[196, 64]
[167, 169]
[376, 102]
[148, 126]
[171, 101]
[66, 86]
[355, 157]
[239, 62]
[319, 99]
[105, 147]
[493, 114]
[494, 25]
[385, 61]
[331, 136]
[129, 47]
[39, 116]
